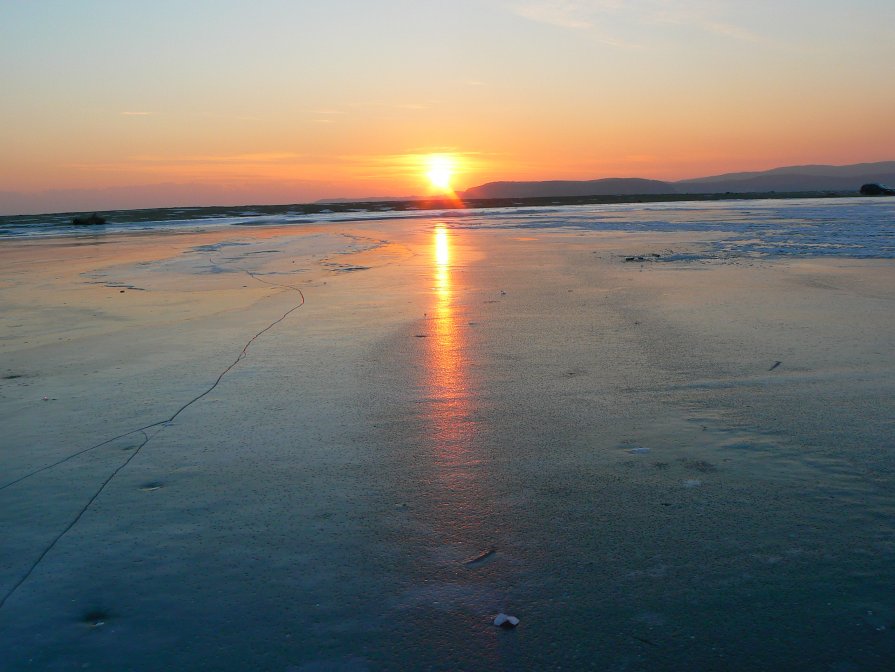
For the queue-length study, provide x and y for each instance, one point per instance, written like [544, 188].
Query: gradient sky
[133, 104]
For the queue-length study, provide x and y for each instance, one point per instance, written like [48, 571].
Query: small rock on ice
[503, 620]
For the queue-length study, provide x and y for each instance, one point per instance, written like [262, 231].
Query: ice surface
[853, 227]
[351, 497]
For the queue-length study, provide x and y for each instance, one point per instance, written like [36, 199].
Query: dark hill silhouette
[815, 178]
[611, 186]
[793, 178]
[853, 170]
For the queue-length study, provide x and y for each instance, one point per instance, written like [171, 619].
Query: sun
[440, 171]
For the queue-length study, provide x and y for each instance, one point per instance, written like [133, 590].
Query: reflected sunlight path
[450, 408]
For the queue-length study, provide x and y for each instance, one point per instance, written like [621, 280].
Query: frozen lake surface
[858, 227]
[352, 446]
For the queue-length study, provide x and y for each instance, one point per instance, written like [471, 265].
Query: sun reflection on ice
[442, 253]
[450, 408]
[456, 480]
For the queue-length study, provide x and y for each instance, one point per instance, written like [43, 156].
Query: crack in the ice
[146, 437]
[83, 510]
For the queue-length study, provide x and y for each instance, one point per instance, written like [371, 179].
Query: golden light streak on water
[450, 407]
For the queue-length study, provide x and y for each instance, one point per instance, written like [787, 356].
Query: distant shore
[434, 203]
[546, 201]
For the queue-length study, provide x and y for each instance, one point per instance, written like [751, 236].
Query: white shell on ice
[505, 620]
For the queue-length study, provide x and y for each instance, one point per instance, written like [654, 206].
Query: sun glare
[442, 249]
[440, 171]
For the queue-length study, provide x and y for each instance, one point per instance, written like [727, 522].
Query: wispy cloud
[707, 17]
[411, 105]
[609, 18]
[130, 113]
[595, 18]
[257, 164]
[253, 157]
[562, 13]
[200, 166]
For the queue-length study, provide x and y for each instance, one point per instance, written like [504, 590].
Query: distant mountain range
[787, 179]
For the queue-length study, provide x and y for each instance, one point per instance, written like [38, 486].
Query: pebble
[503, 620]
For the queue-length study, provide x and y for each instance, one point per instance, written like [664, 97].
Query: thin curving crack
[146, 438]
[192, 401]
[74, 521]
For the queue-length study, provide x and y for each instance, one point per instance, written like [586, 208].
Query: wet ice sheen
[852, 227]
[642, 495]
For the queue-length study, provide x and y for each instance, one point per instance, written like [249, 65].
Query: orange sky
[125, 104]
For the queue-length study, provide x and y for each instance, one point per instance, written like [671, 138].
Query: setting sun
[440, 171]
